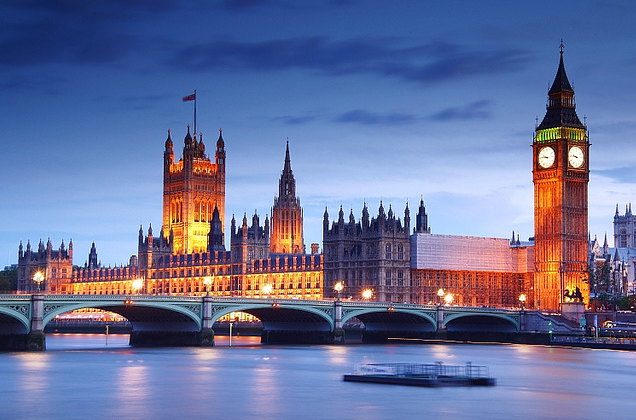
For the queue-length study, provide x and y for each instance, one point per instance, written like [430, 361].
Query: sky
[391, 101]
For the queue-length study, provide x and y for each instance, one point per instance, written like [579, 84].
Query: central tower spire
[287, 215]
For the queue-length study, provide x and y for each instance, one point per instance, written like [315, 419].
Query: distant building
[370, 254]
[55, 265]
[612, 269]
[474, 271]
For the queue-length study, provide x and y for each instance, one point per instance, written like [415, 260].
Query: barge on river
[428, 375]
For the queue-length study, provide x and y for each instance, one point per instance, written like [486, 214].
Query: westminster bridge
[170, 320]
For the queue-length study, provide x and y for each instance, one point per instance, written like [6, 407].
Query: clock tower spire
[560, 175]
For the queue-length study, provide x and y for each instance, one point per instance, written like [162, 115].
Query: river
[83, 377]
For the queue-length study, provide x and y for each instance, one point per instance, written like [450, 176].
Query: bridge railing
[221, 299]
[15, 297]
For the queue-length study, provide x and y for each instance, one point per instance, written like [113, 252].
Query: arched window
[623, 238]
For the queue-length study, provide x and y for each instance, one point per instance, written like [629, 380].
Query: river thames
[82, 377]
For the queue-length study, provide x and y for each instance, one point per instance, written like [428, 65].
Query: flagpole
[195, 112]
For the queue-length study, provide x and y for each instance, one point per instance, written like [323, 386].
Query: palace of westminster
[396, 260]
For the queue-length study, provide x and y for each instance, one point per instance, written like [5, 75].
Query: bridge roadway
[187, 320]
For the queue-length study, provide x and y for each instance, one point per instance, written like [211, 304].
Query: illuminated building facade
[287, 215]
[164, 265]
[370, 254]
[474, 271]
[189, 256]
[560, 176]
[192, 188]
[55, 265]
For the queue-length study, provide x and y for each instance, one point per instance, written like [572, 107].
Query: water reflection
[290, 382]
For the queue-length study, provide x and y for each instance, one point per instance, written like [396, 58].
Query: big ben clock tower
[561, 174]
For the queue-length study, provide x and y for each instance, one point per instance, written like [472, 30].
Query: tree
[9, 279]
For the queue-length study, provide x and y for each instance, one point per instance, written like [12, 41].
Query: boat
[417, 374]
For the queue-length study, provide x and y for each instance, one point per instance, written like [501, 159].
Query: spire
[287, 167]
[220, 143]
[325, 222]
[169, 141]
[561, 107]
[287, 183]
[421, 219]
[407, 218]
[187, 141]
[216, 239]
[561, 82]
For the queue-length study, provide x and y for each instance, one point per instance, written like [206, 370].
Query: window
[388, 278]
[400, 252]
[388, 251]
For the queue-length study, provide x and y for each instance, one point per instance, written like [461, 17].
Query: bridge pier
[440, 318]
[206, 336]
[36, 339]
[338, 331]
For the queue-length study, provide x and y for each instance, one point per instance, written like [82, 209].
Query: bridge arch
[383, 315]
[286, 322]
[143, 315]
[482, 322]
[15, 320]
[382, 323]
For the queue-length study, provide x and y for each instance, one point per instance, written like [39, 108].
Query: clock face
[546, 157]
[575, 157]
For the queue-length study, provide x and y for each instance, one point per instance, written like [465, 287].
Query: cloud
[370, 118]
[424, 63]
[620, 175]
[295, 120]
[74, 31]
[473, 111]
[244, 4]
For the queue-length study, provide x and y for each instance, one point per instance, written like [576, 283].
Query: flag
[190, 97]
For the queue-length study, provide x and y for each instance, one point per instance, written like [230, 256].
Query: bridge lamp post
[38, 277]
[207, 282]
[522, 300]
[267, 290]
[338, 287]
[137, 285]
[440, 295]
[367, 294]
[448, 299]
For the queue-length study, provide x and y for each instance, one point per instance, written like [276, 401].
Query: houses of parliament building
[383, 253]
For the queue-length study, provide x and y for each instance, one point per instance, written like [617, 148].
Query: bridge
[172, 320]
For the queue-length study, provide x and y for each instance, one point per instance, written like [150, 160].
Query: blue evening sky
[381, 100]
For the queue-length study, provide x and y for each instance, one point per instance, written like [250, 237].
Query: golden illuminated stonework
[192, 188]
[561, 200]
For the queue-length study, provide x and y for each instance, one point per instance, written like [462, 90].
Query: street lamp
[448, 298]
[338, 287]
[267, 289]
[137, 284]
[367, 294]
[440, 295]
[207, 282]
[522, 300]
[38, 277]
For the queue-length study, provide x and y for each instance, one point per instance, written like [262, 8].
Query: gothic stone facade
[370, 254]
